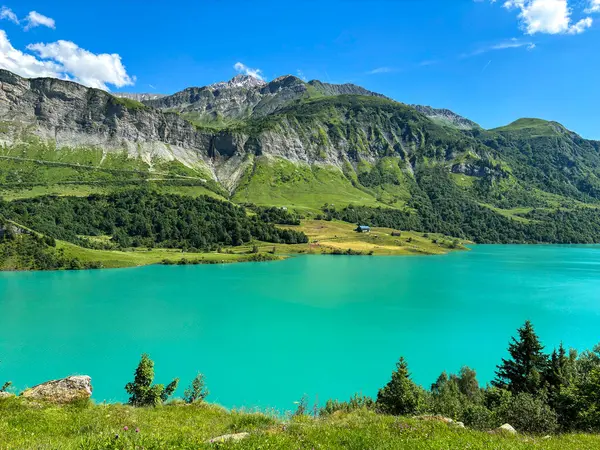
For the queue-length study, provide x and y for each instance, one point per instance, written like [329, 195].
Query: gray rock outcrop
[446, 117]
[65, 390]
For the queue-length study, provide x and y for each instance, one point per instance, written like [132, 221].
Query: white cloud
[90, 69]
[512, 43]
[64, 60]
[35, 19]
[8, 14]
[242, 68]
[503, 45]
[594, 7]
[23, 64]
[301, 75]
[580, 26]
[379, 70]
[547, 16]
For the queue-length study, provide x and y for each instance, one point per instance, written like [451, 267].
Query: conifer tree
[142, 391]
[523, 371]
[401, 396]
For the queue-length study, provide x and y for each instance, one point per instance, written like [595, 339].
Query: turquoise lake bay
[265, 334]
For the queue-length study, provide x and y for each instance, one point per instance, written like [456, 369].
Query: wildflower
[125, 428]
[137, 430]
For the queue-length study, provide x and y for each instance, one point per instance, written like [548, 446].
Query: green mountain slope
[303, 145]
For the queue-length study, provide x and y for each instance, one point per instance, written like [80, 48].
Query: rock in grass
[6, 394]
[229, 438]
[65, 390]
[442, 419]
[506, 428]
[430, 418]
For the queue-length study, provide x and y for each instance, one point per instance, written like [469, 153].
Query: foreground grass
[28, 425]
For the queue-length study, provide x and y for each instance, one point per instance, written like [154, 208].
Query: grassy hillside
[34, 168]
[33, 425]
[278, 182]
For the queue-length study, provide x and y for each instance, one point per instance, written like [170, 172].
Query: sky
[492, 61]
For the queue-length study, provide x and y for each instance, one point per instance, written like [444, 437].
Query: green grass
[513, 213]
[83, 190]
[463, 181]
[25, 425]
[112, 259]
[277, 182]
[327, 236]
[129, 103]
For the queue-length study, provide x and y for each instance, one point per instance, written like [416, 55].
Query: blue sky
[491, 61]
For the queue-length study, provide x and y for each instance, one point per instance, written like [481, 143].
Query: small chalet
[363, 229]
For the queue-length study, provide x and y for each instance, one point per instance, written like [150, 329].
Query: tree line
[534, 391]
[136, 218]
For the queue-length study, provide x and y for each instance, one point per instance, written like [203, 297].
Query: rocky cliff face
[72, 115]
[335, 128]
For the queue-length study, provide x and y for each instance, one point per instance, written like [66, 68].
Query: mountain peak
[239, 81]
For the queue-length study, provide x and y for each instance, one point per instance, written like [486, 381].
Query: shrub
[478, 417]
[356, 402]
[197, 391]
[142, 391]
[527, 414]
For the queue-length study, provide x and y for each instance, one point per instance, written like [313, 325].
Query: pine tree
[142, 391]
[401, 396]
[523, 371]
[559, 369]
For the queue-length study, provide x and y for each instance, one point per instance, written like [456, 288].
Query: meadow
[26, 424]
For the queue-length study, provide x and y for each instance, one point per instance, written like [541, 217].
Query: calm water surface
[267, 333]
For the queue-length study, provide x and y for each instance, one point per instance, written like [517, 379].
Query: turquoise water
[267, 333]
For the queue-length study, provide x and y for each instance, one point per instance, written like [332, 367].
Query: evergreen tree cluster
[144, 218]
[276, 215]
[533, 391]
[23, 250]
[438, 205]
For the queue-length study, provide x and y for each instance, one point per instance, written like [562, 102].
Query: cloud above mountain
[244, 69]
[65, 60]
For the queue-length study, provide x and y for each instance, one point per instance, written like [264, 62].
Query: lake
[264, 334]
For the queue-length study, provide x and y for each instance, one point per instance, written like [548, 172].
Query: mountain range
[303, 145]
